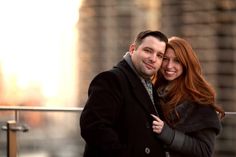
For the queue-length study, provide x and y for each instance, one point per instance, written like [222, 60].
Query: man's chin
[148, 75]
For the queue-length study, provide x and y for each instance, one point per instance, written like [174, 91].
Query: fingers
[157, 129]
[156, 118]
[157, 124]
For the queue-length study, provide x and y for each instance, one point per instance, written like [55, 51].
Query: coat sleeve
[195, 144]
[99, 118]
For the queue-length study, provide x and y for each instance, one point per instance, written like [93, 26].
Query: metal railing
[41, 109]
[12, 126]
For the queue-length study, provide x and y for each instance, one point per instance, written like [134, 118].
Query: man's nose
[153, 57]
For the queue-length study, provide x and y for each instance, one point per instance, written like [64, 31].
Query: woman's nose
[169, 64]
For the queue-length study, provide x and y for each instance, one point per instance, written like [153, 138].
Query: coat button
[147, 150]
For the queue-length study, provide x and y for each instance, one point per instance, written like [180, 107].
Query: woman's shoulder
[196, 110]
[197, 117]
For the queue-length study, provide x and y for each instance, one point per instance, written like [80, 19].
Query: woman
[188, 102]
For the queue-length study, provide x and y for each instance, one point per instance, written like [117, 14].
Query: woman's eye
[176, 61]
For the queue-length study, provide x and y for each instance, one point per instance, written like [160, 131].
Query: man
[116, 120]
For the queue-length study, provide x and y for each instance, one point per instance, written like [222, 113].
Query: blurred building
[107, 27]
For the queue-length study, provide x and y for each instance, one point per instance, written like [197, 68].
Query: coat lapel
[138, 88]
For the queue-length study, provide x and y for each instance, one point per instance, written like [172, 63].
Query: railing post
[11, 139]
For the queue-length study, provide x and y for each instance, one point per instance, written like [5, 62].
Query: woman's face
[171, 68]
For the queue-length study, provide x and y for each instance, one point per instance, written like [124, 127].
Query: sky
[38, 57]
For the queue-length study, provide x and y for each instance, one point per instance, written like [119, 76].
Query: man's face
[147, 57]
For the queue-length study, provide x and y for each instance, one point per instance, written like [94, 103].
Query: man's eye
[160, 56]
[148, 51]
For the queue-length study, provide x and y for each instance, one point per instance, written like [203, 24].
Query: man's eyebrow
[148, 48]
[161, 52]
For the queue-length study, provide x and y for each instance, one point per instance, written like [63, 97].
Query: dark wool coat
[194, 134]
[116, 119]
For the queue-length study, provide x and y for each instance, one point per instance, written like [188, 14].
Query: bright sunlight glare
[38, 51]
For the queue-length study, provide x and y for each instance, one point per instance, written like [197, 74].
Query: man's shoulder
[113, 73]
[105, 74]
[121, 72]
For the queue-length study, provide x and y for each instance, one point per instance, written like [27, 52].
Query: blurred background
[51, 49]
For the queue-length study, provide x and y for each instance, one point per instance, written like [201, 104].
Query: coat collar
[138, 87]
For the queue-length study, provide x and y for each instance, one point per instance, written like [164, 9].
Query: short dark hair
[157, 34]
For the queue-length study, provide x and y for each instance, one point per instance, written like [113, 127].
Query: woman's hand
[157, 124]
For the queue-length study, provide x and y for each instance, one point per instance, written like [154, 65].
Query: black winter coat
[116, 119]
[194, 134]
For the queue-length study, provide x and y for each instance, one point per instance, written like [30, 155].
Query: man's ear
[132, 48]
